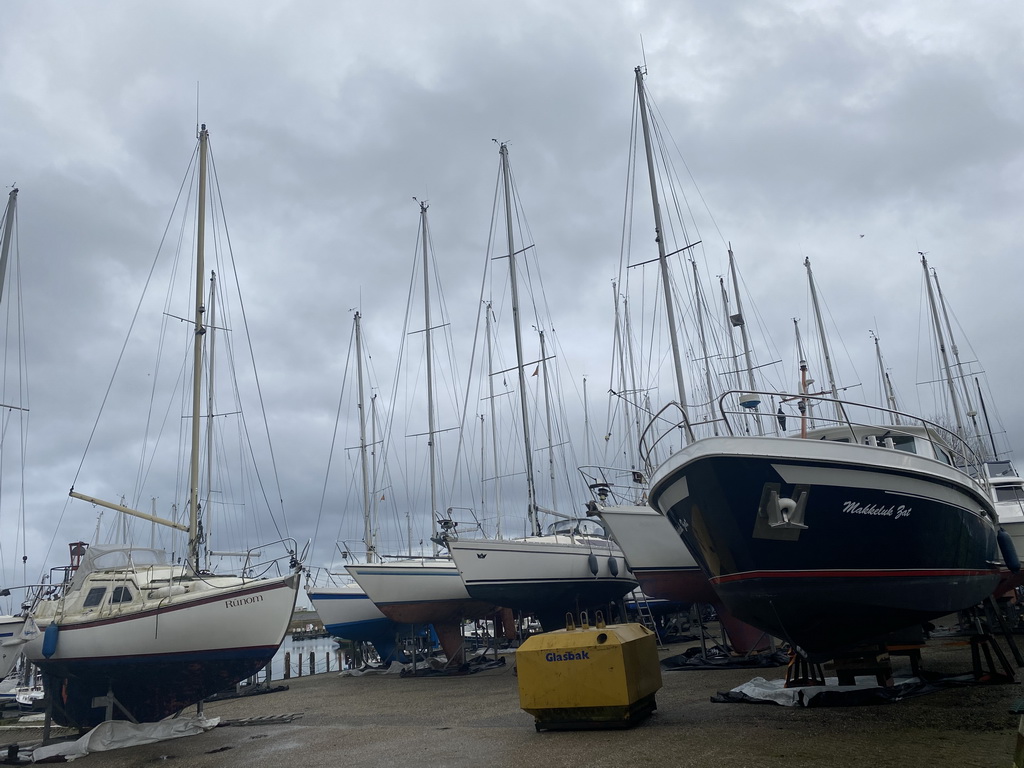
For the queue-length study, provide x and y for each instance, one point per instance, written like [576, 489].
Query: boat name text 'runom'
[243, 601]
[853, 508]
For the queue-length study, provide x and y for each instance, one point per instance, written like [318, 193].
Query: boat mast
[805, 405]
[704, 344]
[430, 378]
[662, 257]
[547, 417]
[5, 248]
[738, 320]
[984, 413]
[194, 542]
[840, 412]
[940, 340]
[209, 410]
[890, 394]
[629, 388]
[971, 413]
[494, 424]
[361, 408]
[733, 355]
[531, 492]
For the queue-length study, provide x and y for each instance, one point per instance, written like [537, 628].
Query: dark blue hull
[857, 552]
[149, 688]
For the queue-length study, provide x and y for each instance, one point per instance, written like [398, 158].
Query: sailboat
[426, 589]
[571, 566]
[866, 522]
[11, 625]
[343, 606]
[1006, 485]
[131, 632]
[661, 562]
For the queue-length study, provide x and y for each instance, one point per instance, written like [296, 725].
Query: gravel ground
[475, 720]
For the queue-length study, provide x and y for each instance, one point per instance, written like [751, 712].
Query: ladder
[643, 612]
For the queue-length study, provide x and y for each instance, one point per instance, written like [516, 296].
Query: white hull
[657, 556]
[425, 591]
[545, 575]
[237, 618]
[343, 606]
[10, 645]
[163, 647]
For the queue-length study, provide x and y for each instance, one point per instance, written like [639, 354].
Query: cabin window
[121, 595]
[999, 469]
[94, 597]
[903, 443]
[1010, 493]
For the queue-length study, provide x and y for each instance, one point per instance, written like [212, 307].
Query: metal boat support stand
[983, 641]
[800, 672]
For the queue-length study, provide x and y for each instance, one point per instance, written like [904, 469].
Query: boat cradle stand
[109, 701]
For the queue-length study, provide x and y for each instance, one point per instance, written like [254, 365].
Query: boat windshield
[102, 558]
[583, 527]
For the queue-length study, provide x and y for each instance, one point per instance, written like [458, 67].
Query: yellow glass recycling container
[590, 676]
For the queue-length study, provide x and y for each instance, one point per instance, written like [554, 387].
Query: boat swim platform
[384, 720]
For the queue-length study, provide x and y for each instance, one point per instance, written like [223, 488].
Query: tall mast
[738, 320]
[890, 394]
[662, 257]
[729, 322]
[971, 413]
[197, 355]
[547, 416]
[627, 374]
[984, 414]
[373, 508]
[430, 377]
[807, 406]
[940, 340]
[5, 247]
[209, 409]
[586, 424]
[822, 335]
[361, 407]
[531, 492]
[494, 424]
[703, 342]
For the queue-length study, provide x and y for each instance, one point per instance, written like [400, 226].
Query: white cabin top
[910, 438]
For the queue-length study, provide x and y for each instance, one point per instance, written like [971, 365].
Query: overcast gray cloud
[855, 135]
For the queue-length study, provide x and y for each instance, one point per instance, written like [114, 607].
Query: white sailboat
[131, 633]
[571, 566]
[343, 606]
[424, 590]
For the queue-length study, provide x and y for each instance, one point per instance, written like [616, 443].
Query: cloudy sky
[855, 135]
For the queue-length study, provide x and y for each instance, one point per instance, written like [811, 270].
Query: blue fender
[592, 561]
[50, 640]
[613, 566]
[1010, 556]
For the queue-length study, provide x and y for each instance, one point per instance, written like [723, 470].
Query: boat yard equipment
[601, 676]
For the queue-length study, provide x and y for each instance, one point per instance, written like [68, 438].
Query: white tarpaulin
[116, 734]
